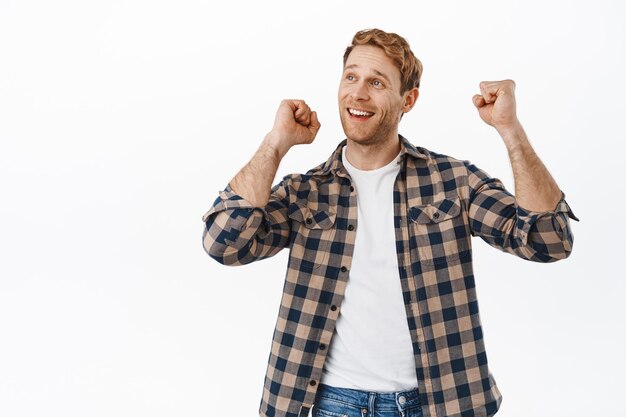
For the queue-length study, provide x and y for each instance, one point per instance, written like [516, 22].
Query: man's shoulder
[441, 160]
[320, 172]
[325, 171]
[298, 181]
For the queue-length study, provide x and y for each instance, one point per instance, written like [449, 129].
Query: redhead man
[379, 315]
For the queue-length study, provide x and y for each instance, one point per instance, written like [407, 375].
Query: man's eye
[350, 78]
[377, 83]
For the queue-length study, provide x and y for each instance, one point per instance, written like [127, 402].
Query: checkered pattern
[439, 203]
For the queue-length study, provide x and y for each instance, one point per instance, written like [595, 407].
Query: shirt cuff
[527, 218]
[242, 210]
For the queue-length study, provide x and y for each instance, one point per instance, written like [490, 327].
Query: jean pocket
[318, 412]
[325, 407]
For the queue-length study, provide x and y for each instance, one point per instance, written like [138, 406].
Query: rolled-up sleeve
[495, 217]
[237, 233]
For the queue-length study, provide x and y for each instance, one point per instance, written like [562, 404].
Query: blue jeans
[345, 402]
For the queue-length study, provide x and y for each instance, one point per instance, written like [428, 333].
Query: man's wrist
[513, 135]
[276, 144]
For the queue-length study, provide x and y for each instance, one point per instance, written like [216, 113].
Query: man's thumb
[315, 123]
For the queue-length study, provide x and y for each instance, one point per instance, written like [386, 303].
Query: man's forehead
[370, 57]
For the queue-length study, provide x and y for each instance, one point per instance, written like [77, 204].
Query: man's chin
[362, 136]
[361, 139]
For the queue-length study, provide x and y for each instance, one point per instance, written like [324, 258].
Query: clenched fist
[496, 104]
[294, 124]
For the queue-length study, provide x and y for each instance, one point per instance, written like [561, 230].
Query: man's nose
[359, 91]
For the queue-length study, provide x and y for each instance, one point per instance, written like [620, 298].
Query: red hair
[396, 48]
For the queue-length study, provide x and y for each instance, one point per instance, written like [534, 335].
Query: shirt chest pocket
[312, 234]
[440, 231]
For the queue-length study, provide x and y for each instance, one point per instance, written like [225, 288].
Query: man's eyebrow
[380, 74]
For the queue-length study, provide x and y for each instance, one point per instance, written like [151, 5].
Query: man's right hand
[294, 124]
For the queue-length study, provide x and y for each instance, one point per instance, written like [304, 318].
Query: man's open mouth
[360, 114]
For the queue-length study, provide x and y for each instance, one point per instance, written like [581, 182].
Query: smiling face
[370, 102]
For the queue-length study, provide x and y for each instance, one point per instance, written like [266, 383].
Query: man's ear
[410, 97]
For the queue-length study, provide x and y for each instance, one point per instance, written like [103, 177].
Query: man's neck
[372, 156]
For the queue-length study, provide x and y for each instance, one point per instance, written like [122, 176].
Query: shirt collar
[334, 166]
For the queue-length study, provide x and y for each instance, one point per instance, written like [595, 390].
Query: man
[379, 311]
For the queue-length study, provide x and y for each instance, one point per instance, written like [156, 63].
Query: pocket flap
[436, 212]
[311, 219]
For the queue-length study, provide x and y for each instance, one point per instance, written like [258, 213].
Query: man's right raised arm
[249, 221]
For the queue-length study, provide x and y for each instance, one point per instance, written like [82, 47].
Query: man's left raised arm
[541, 209]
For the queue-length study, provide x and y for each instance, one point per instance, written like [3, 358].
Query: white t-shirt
[371, 348]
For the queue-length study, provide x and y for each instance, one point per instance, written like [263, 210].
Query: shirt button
[333, 307]
[312, 383]
[436, 215]
[350, 227]
[309, 220]
[351, 188]
[322, 346]
[401, 400]
[344, 269]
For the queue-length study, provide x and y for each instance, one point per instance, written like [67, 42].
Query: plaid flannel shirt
[439, 203]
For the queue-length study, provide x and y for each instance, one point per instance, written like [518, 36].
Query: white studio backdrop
[121, 120]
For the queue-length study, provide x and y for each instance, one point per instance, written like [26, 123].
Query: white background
[121, 120]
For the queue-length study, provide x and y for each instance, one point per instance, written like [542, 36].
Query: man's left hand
[496, 104]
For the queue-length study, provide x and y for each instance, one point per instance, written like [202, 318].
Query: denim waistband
[398, 400]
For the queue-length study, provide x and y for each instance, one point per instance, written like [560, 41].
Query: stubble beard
[378, 137]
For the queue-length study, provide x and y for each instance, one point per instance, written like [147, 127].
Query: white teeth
[359, 112]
